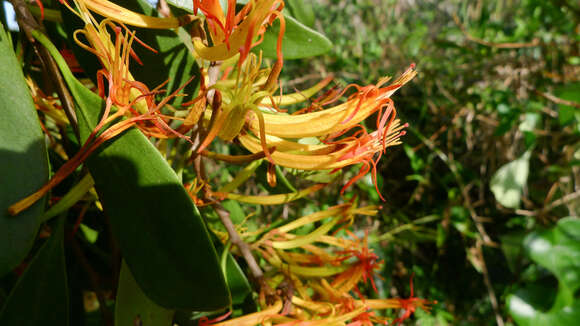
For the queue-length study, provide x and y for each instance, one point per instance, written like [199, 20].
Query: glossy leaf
[40, 297]
[302, 11]
[133, 307]
[509, 181]
[23, 159]
[186, 5]
[159, 230]
[557, 250]
[299, 41]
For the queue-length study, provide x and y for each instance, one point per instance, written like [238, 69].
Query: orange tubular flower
[342, 140]
[233, 32]
[316, 275]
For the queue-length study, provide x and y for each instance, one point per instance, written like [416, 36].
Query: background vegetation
[492, 152]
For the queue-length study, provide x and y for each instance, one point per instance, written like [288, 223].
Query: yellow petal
[254, 318]
[273, 199]
[126, 16]
[297, 97]
[300, 241]
[237, 40]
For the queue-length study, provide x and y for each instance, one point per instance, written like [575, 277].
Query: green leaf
[237, 281]
[566, 113]
[159, 230]
[509, 181]
[557, 250]
[23, 159]
[186, 5]
[40, 297]
[133, 307]
[511, 246]
[299, 41]
[236, 212]
[302, 11]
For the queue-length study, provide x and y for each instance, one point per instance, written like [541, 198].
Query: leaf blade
[23, 159]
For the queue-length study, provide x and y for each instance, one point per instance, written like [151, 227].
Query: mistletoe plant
[136, 140]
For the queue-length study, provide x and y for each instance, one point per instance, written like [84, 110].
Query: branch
[489, 286]
[535, 42]
[235, 239]
[558, 202]
[555, 99]
[464, 191]
[224, 215]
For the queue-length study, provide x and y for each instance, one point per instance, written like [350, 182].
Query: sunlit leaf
[302, 11]
[509, 181]
[299, 41]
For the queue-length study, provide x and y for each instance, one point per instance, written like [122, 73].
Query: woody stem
[224, 215]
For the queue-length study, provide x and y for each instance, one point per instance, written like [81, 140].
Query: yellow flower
[342, 140]
[235, 33]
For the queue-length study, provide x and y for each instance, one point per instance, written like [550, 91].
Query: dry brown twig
[555, 99]
[535, 42]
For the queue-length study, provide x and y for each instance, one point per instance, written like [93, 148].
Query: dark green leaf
[160, 232]
[566, 113]
[40, 297]
[299, 41]
[557, 250]
[133, 306]
[237, 282]
[23, 159]
[511, 246]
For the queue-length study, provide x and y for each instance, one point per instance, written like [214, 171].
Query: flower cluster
[312, 278]
[317, 275]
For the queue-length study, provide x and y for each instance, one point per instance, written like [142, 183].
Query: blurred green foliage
[489, 110]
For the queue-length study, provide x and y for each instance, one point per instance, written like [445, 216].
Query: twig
[224, 215]
[555, 99]
[558, 202]
[235, 239]
[28, 23]
[535, 42]
[488, 285]
[564, 200]
[464, 191]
